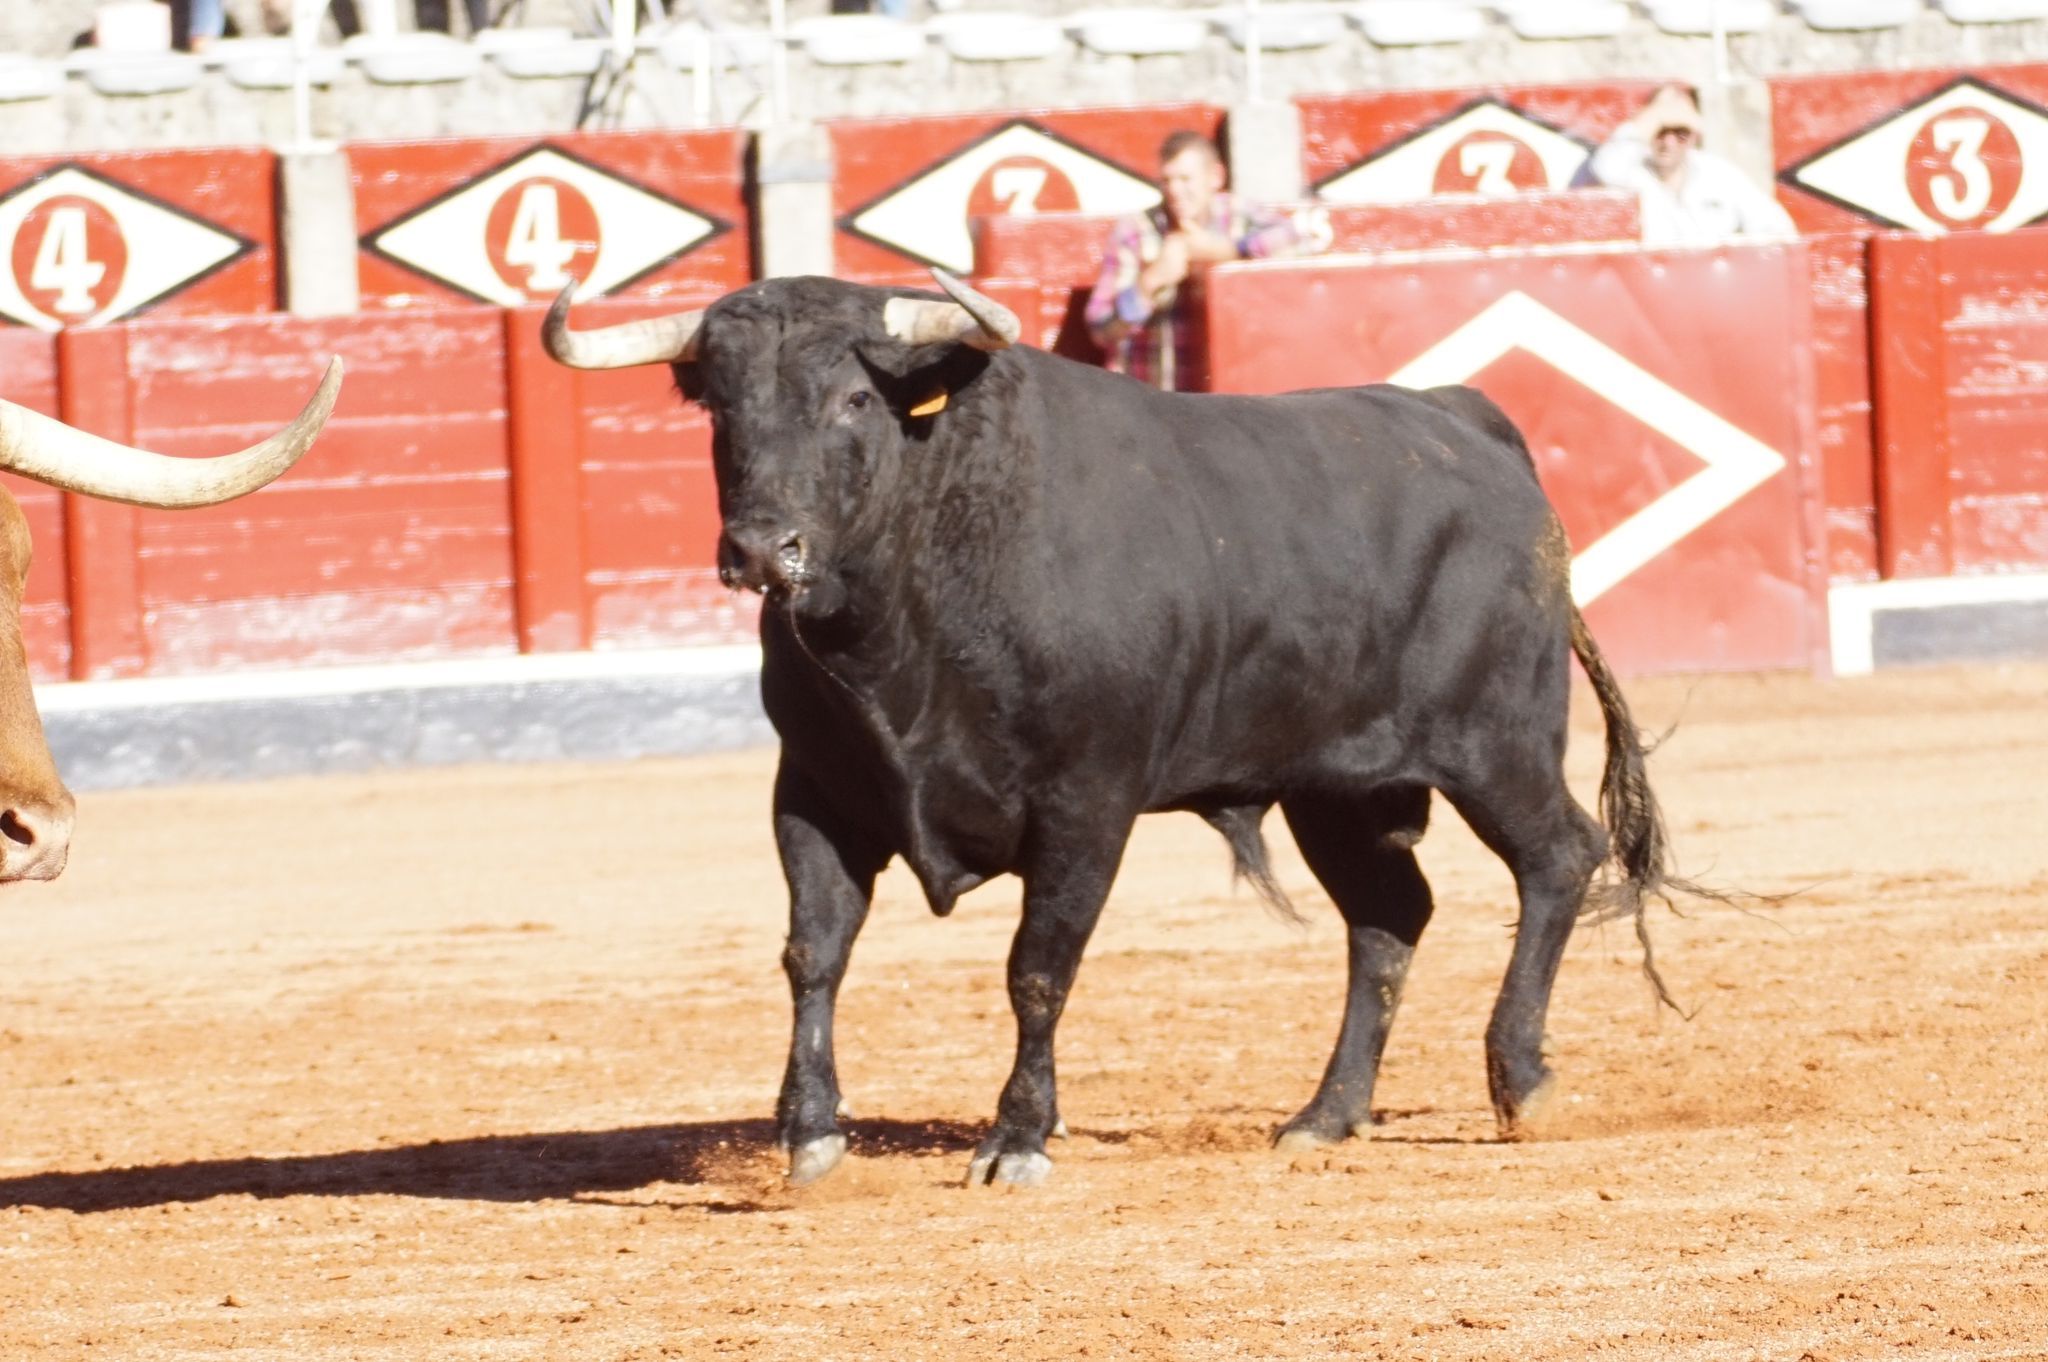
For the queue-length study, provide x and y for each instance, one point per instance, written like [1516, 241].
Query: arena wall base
[1937, 619]
[558, 707]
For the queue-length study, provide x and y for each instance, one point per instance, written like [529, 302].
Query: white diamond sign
[1487, 147]
[82, 249]
[521, 232]
[1020, 168]
[1966, 156]
[1735, 461]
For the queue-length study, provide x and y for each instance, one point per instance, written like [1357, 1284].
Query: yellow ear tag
[932, 405]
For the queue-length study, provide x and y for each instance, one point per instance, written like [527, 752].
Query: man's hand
[1164, 275]
[1205, 247]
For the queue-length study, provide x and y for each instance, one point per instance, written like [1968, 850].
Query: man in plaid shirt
[1133, 312]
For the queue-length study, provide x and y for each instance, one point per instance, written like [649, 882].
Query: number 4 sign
[81, 249]
[520, 231]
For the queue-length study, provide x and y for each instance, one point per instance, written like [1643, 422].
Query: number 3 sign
[1967, 156]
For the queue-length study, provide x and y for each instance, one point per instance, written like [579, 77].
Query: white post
[778, 60]
[625, 25]
[1251, 51]
[380, 18]
[1718, 18]
[305, 27]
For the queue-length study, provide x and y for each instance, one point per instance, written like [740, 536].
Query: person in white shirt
[1689, 196]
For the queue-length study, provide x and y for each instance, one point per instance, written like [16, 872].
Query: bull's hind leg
[831, 871]
[1523, 811]
[1360, 848]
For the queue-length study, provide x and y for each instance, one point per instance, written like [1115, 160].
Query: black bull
[1013, 602]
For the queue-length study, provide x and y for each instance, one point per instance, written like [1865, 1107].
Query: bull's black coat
[996, 634]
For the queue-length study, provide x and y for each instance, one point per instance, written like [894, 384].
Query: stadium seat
[857, 39]
[136, 73]
[1286, 28]
[266, 63]
[1695, 18]
[1139, 32]
[1569, 18]
[24, 78]
[1841, 15]
[997, 35]
[1993, 11]
[682, 46]
[413, 58]
[540, 52]
[1413, 23]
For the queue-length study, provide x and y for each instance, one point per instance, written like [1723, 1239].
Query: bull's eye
[859, 398]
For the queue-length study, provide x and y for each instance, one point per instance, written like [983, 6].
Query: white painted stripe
[1735, 460]
[1853, 607]
[710, 662]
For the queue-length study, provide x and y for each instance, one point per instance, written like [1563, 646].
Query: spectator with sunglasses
[1690, 196]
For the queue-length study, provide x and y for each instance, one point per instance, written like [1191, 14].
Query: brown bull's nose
[35, 840]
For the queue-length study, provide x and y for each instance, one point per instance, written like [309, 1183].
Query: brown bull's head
[815, 388]
[35, 808]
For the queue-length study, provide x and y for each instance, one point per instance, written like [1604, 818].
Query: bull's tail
[1638, 866]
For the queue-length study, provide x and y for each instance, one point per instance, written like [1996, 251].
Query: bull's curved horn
[47, 450]
[657, 340]
[971, 318]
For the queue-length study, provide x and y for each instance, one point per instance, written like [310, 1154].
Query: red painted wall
[97, 237]
[906, 190]
[507, 220]
[1959, 344]
[1930, 151]
[1395, 145]
[1632, 375]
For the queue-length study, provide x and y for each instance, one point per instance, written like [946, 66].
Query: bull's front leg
[831, 869]
[1065, 885]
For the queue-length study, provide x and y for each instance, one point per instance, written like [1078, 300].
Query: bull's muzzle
[35, 837]
[772, 561]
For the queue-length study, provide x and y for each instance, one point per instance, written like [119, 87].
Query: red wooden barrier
[1397, 145]
[613, 500]
[1841, 383]
[95, 238]
[1959, 328]
[905, 190]
[1929, 151]
[28, 375]
[511, 220]
[1666, 398]
[390, 540]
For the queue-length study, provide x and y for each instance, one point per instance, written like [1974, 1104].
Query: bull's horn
[38, 447]
[971, 318]
[657, 340]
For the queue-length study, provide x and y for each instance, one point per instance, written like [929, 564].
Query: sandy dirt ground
[478, 1063]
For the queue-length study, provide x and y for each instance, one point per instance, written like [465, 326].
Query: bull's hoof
[1026, 1169]
[1517, 1119]
[1315, 1129]
[815, 1158]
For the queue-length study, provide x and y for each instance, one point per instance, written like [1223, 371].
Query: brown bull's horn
[971, 318]
[658, 340]
[47, 450]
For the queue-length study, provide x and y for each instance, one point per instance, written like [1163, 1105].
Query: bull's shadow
[555, 1166]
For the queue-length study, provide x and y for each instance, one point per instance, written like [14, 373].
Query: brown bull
[35, 808]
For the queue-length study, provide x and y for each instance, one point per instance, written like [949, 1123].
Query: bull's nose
[761, 557]
[35, 839]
